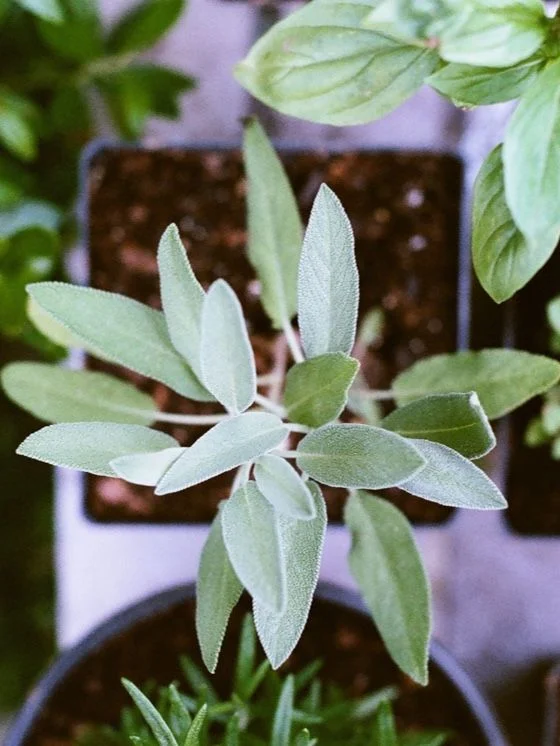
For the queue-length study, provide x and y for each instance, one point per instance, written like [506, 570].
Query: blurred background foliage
[64, 79]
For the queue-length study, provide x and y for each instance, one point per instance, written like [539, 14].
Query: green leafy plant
[268, 536]
[65, 79]
[263, 709]
[347, 62]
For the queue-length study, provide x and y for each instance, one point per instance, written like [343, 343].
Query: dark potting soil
[405, 214]
[353, 655]
[533, 477]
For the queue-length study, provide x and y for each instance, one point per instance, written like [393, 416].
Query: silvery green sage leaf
[355, 456]
[502, 257]
[532, 159]
[282, 722]
[455, 420]
[228, 444]
[451, 479]
[320, 64]
[384, 726]
[503, 379]
[227, 360]
[317, 390]
[145, 468]
[274, 225]
[302, 545]
[328, 285]
[182, 297]
[386, 564]
[51, 328]
[252, 540]
[91, 446]
[57, 394]
[283, 487]
[122, 330]
[158, 726]
[217, 592]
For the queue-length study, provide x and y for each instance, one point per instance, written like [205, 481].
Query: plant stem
[293, 343]
[375, 394]
[265, 403]
[285, 454]
[298, 428]
[190, 419]
[241, 477]
[268, 379]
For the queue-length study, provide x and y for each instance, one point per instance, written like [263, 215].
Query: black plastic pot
[467, 704]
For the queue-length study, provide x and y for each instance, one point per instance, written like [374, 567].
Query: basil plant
[268, 536]
[347, 62]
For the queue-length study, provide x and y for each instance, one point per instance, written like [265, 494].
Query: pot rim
[479, 708]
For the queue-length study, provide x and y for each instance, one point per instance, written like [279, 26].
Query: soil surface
[405, 213]
[353, 656]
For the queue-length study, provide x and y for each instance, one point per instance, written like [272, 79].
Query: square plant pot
[405, 211]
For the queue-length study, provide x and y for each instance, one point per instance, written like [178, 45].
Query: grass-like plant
[268, 536]
[263, 709]
[353, 61]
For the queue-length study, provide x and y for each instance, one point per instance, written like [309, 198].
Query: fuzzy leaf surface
[356, 456]
[145, 468]
[503, 379]
[248, 521]
[228, 444]
[455, 420]
[317, 390]
[122, 330]
[57, 394]
[91, 446]
[328, 284]
[227, 360]
[283, 487]
[451, 479]
[386, 564]
[274, 225]
[302, 545]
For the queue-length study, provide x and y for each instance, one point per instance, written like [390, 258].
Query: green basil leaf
[217, 592]
[274, 226]
[227, 445]
[282, 723]
[386, 564]
[79, 37]
[317, 390]
[122, 330]
[91, 446]
[302, 546]
[503, 259]
[249, 522]
[451, 479]
[503, 379]
[320, 65]
[455, 420]
[226, 356]
[476, 86]
[384, 726]
[283, 487]
[49, 10]
[356, 456]
[143, 25]
[193, 736]
[328, 284]
[158, 726]
[532, 159]
[56, 394]
[145, 468]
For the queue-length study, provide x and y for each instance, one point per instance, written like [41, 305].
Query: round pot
[145, 641]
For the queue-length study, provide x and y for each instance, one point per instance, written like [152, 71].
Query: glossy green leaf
[274, 225]
[143, 25]
[282, 722]
[79, 37]
[158, 726]
[227, 445]
[91, 446]
[532, 159]
[320, 64]
[328, 284]
[455, 420]
[122, 330]
[317, 390]
[182, 297]
[226, 357]
[451, 479]
[385, 727]
[503, 379]
[195, 731]
[49, 10]
[386, 564]
[145, 468]
[503, 259]
[475, 86]
[251, 536]
[356, 456]
[302, 546]
[217, 592]
[283, 487]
